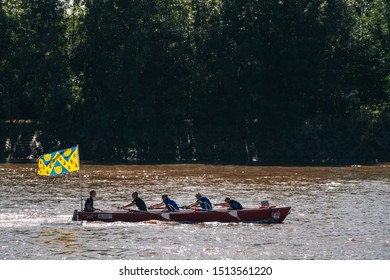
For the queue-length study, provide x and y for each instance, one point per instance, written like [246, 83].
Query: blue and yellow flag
[60, 162]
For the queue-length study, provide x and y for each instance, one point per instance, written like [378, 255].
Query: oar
[135, 210]
[142, 211]
[165, 215]
[205, 210]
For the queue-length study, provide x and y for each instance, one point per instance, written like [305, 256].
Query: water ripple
[338, 213]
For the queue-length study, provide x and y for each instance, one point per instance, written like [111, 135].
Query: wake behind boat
[266, 215]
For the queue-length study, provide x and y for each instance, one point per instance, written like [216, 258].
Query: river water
[338, 213]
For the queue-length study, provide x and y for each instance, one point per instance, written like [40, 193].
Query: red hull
[255, 215]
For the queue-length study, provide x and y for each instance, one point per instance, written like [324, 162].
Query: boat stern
[75, 215]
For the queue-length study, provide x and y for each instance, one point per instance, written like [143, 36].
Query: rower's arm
[89, 207]
[224, 204]
[194, 204]
[156, 205]
[128, 205]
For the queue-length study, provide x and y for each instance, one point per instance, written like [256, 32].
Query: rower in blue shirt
[203, 201]
[170, 205]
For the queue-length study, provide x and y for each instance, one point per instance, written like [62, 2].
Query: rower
[170, 205]
[232, 204]
[136, 201]
[203, 201]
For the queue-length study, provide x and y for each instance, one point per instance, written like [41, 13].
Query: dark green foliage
[219, 81]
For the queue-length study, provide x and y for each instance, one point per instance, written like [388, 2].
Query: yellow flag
[60, 162]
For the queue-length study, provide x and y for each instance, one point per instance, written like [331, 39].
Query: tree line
[216, 81]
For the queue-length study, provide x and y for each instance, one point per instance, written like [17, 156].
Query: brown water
[337, 213]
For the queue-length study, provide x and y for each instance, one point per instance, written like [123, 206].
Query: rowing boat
[266, 215]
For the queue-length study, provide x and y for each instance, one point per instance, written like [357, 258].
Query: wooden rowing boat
[267, 215]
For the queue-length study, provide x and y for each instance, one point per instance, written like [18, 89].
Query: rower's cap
[198, 194]
[227, 199]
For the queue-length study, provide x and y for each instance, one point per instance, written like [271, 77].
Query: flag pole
[81, 185]
[81, 192]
